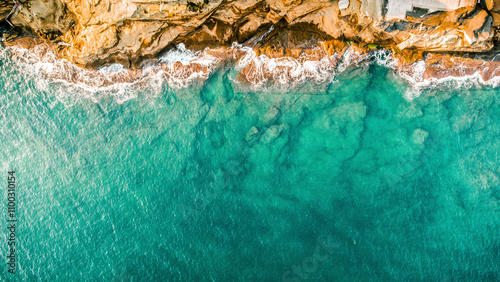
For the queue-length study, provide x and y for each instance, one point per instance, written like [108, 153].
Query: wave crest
[181, 68]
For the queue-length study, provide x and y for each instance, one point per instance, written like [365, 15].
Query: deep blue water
[340, 182]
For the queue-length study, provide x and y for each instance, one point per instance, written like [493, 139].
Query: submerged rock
[419, 135]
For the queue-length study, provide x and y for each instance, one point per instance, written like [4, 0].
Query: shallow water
[343, 181]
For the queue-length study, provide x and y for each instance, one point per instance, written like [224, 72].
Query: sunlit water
[344, 181]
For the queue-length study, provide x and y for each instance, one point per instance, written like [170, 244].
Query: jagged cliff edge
[92, 34]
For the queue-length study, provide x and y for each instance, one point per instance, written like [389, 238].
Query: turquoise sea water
[346, 181]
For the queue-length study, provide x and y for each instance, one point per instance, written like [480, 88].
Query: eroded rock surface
[95, 33]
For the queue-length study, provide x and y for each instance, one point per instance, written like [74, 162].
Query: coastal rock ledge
[96, 33]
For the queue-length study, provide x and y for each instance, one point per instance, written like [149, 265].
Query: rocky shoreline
[264, 66]
[289, 36]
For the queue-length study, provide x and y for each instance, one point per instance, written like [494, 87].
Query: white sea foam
[179, 77]
[384, 58]
[417, 82]
[69, 81]
[179, 54]
[113, 68]
[285, 72]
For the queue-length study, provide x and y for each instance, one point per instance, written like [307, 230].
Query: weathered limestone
[398, 9]
[95, 33]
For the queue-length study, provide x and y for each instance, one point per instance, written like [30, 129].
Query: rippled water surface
[343, 181]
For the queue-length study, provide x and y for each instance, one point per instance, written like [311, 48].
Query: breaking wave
[470, 76]
[286, 72]
[181, 68]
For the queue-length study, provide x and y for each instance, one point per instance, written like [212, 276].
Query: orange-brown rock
[445, 65]
[95, 33]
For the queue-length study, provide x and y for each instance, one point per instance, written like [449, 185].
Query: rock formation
[96, 33]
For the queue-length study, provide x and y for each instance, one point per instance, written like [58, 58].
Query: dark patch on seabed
[217, 183]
